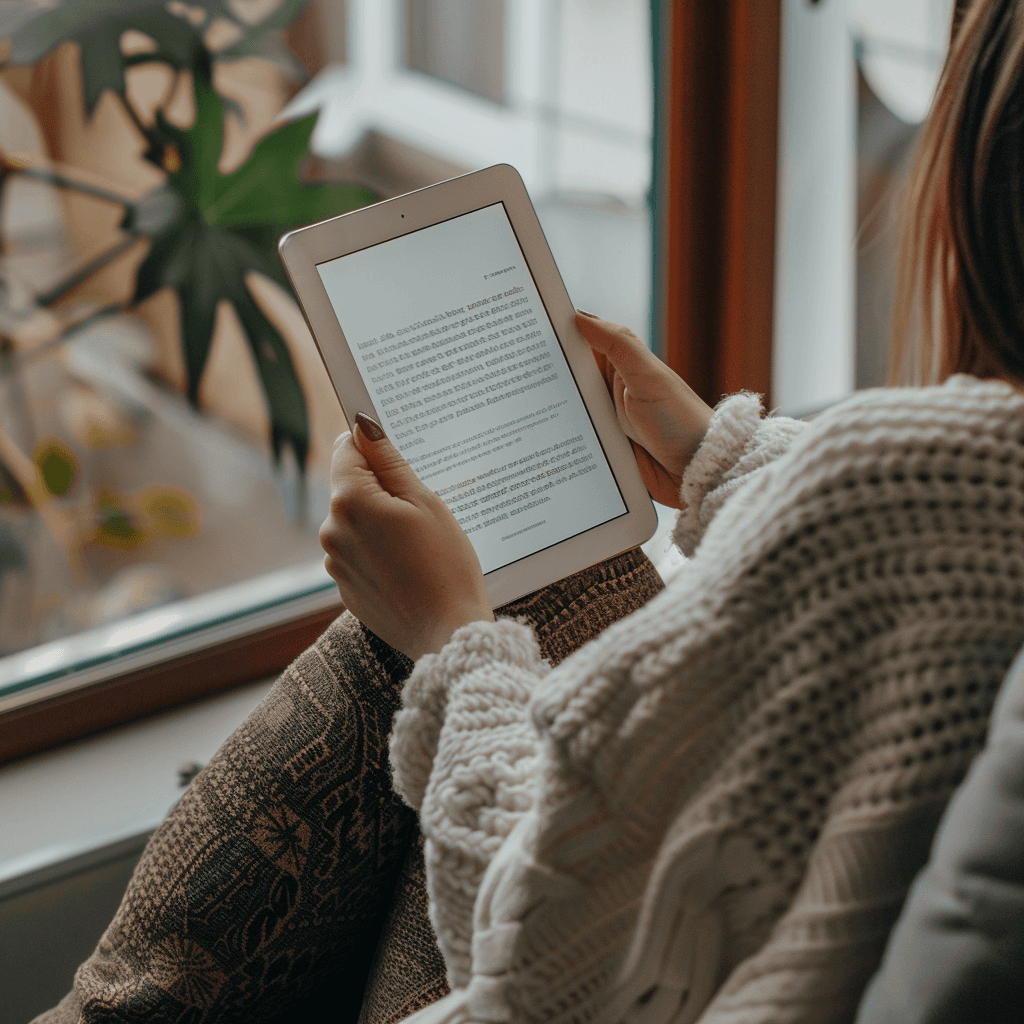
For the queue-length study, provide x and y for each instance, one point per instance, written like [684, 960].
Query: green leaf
[58, 466]
[35, 29]
[289, 422]
[116, 527]
[222, 227]
[97, 25]
[12, 554]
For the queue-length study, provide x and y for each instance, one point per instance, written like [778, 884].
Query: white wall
[813, 356]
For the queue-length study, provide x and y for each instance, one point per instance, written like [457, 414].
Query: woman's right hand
[661, 415]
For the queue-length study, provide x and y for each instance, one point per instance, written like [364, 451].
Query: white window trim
[374, 91]
[813, 356]
[72, 806]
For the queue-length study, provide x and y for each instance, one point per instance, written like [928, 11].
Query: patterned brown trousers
[287, 883]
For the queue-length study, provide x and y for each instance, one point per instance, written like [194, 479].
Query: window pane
[182, 515]
[461, 41]
[900, 48]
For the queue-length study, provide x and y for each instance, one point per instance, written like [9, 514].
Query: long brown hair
[961, 259]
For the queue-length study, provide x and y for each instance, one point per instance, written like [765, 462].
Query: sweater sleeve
[472, 780]
[739, 442]
[736, 784]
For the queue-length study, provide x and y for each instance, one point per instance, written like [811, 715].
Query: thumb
[383, 458]
[619, 345]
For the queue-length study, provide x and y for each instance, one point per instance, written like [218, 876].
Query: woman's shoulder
[950, 425]
[874, 456]
[961, 404]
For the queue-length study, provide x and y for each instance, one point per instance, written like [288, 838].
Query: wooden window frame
[716, 155]
[164, 675]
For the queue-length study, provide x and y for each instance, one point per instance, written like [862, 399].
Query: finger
[618, 345]
[660, 484]
[384, 459]
[346, 462]
[604, 367]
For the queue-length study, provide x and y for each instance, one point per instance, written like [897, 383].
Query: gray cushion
[956, 954]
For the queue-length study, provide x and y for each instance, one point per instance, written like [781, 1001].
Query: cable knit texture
[485, 764]
[735, 785]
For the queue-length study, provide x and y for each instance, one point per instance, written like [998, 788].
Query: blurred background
[146, 499]
[148, 457]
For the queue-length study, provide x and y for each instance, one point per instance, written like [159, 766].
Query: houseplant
[208, 231]
[207, 234]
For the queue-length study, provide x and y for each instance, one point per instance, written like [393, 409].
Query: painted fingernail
[593, 316]
[371, 428]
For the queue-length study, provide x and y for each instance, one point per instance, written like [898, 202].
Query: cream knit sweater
[714, 810]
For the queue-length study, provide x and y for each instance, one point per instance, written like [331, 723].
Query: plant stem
[61, 526]
[135, 119]
[17, 361]
[62, 181]
[73, 280]
[133, 115]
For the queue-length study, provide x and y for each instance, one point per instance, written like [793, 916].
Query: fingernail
[371, 428]
[593, 316]
[342, 438]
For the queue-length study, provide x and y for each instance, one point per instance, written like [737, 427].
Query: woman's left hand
[402, 563]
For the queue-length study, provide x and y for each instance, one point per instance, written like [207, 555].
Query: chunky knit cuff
[738, 443]
[732, 425]
[417, 725]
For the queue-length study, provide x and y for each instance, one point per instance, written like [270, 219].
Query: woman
[714, 809]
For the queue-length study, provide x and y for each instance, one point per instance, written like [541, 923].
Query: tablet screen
[470, 383]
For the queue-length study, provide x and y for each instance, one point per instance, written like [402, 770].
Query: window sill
[176, 653]
[67, 809]
[181, 652]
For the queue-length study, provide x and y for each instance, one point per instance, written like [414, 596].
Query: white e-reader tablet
[441, 313]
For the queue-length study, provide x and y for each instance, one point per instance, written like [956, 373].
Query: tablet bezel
[301, 250]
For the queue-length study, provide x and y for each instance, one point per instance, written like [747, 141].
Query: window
[857, 77]
[461, 41]
[176, 533]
